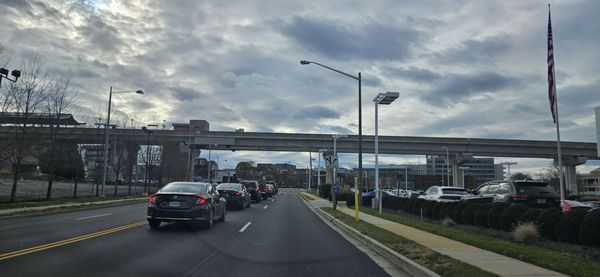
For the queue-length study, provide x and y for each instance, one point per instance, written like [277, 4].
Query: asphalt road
[278, 237]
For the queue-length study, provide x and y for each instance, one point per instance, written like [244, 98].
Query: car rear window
[250, 185]
[454, 191]
[534, 188]
[229, 187]
[185, 187]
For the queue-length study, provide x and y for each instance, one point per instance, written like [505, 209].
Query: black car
[236, 194]
[186, 202]
[535, 194]
[254, 190]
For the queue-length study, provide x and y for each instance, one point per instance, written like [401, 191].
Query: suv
[254, 190]
[443, 194]
[535, 194]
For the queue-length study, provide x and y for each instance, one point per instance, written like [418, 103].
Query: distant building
[588, 185]
[481, 169]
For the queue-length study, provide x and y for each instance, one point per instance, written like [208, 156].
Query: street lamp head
[386, 98]
[16, 73]
[304, 62]
[139, 91]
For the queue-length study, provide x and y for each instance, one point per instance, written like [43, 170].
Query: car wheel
[222, 218]
[209, 223]
[154, 224]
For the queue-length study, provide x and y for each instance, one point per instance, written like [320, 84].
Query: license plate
[541, 201]
[174, 204]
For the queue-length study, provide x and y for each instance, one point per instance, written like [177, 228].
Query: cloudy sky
[463, 68]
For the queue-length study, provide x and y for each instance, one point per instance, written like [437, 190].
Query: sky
[462, 68]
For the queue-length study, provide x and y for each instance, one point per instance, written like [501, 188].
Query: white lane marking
[265, 207]
[245, 226]
[93, 216]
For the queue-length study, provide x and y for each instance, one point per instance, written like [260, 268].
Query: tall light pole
[508, 164]
[321, 151]
[462, 168]
[106, 131]
[335, 137]
[359, 79]
[381, 99]
[447, 164]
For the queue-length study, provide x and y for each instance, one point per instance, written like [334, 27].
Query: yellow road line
[68, 241]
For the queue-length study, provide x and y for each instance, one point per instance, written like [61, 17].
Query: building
[588, 185]
[479, 169]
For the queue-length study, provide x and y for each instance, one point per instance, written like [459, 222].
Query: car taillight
[201, 200]
[519, 196]
[152, 200]
[237, 193]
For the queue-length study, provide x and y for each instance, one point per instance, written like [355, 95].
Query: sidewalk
[74, 204]
[486, 260]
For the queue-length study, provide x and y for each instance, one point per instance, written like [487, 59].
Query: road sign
[331, 161]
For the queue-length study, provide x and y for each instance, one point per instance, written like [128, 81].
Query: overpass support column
[570, 164]
[456, 160]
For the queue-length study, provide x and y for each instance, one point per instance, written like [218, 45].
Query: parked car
[236, 194]
[275, 188]
[271, 189]
[383, 193]
[264, 191]
[535, 194]
[188, 202]
[444, 194]
[572, 205]
[254, 190]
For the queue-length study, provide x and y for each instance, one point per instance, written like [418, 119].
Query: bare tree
[27, 97]
[58, 101]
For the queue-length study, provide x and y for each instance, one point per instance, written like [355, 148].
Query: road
[278, 237]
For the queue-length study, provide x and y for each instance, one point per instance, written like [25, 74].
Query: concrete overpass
[574, 153]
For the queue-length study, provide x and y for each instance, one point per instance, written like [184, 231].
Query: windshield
[454, 191]
[229, 187]
[185, 187]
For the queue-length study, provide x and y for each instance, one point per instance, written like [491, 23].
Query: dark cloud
[412, 73]
[186, 94]
[476, 51]
[453, 88]
[317, 112]
[343, 40]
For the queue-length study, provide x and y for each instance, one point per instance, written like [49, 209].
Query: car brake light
[152, 200]
[201, 200]
[237, 193]
[519, 196]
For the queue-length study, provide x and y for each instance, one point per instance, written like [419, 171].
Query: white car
[444, 194]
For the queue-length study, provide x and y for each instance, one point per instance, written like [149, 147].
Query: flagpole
[554, 106]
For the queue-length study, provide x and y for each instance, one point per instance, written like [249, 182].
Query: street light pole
[381, 99]
[359, 79]
[508, 164]
[447, 164]
[106, 131]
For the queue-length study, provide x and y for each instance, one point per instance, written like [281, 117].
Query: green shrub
[435, 210]
[406, 205]
[547, 221]
[399, 203]
[567, 229]
[447, 209]
[468, 214]
[325, 191]
[428, 208]
[510, 216]
[457, 212]
[495, 213]
[589, 230]
[366, 200]
[481, 215]
[350, 199]
[415, 208]
[530, 215]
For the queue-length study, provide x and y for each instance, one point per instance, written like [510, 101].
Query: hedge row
[573, 227]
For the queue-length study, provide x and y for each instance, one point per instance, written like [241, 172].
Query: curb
[392, 256]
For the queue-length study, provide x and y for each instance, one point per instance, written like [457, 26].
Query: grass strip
[64, 209]
[554, 260]
[58, 201]
[441, 264]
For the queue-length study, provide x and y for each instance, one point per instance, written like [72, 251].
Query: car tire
[211, 219]
[154, 224]
[222, 218]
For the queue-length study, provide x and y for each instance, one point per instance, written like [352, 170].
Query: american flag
[551, 80]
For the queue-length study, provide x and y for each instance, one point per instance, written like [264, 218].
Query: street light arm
[333, 69]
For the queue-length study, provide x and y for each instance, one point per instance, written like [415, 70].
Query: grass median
[441, 264]
[554, 260]
[59, 201]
